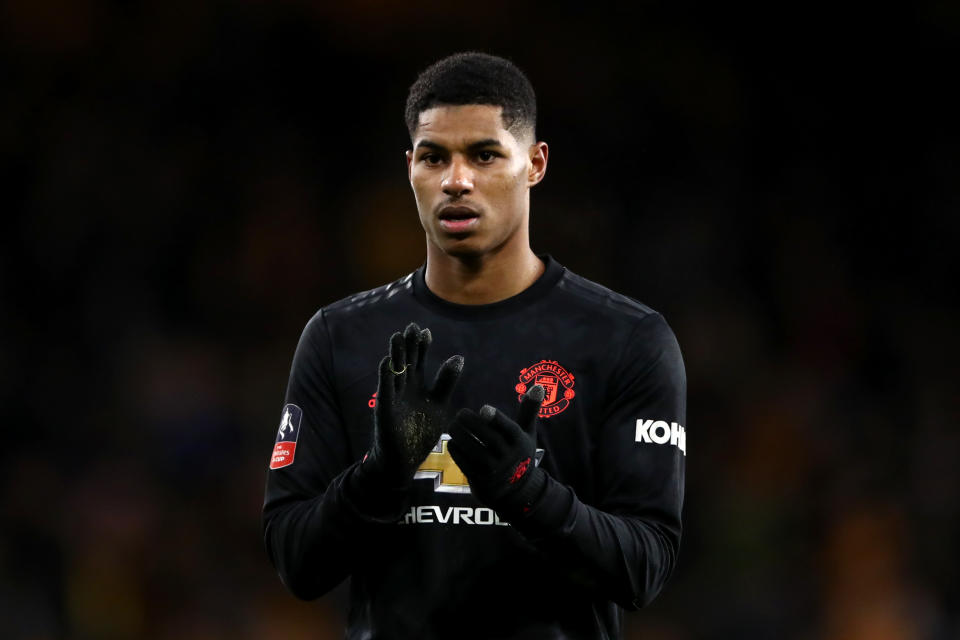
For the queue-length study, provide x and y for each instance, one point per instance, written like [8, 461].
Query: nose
[458, 179]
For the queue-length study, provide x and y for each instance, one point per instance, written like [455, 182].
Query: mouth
[458, 219]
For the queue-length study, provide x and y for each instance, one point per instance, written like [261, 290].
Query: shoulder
[358, 308]
[633, 324]
[363, 305]
[598, 299]
[357, 303]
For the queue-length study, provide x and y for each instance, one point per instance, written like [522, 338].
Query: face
[471, 178]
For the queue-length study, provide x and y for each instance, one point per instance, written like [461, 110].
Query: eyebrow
[479, 144]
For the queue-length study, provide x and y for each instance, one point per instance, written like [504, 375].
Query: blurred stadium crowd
[188, 182]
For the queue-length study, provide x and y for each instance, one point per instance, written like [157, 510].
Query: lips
[458, 219]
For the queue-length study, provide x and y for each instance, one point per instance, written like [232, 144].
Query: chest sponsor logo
[556, 381]
[285, 445]
[435, 514]
[446, 475]
[662, 432]
[440, 467]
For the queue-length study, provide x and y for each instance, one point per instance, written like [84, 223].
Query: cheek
[506, 178]
[421, 188]
[512, 184]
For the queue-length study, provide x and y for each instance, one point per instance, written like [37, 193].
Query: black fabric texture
[599, 535]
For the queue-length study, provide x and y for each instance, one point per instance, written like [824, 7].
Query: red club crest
[556, 381]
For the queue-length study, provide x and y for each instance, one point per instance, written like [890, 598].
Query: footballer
[491, 446]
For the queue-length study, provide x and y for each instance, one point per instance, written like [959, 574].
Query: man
[533, 487]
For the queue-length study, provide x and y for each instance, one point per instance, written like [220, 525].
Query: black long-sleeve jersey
[603, 537]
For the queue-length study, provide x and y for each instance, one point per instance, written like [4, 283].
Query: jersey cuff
[549, 512]
[365, 496]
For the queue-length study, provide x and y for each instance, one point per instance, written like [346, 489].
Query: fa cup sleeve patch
[287, 434]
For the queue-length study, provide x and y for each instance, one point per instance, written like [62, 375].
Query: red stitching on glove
[520, 470]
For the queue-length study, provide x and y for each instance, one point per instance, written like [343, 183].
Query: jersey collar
[552, 273]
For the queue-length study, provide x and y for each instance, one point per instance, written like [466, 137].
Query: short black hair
[472, 77]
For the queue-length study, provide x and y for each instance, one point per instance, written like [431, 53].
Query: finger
[425, 339]
[411, 339]
[467, 422]
[462, 438]
[466, 445]
[398, 361]
[465, 456]
[495, 430]
[384, 385]
[529, 409]
[446, 379]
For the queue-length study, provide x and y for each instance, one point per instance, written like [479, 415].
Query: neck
[482, 279]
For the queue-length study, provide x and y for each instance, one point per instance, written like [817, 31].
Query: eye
[486, 156]
[431, 159]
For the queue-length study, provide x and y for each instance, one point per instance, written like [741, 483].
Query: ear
[538, 163]
[409, 163]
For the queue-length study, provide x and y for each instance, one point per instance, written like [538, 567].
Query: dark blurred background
[188, 182]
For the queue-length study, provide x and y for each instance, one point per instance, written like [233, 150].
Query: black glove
[498, 455]
[409, 418]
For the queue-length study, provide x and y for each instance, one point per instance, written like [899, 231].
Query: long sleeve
[624, 547]
[312, 532]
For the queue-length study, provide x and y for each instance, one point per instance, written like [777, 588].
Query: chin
[464, 248]
[463, 251]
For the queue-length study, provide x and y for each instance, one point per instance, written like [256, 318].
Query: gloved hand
[409, 418]
[497, 455]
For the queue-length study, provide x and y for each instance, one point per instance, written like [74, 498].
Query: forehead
[462, 124]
